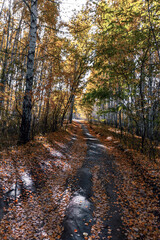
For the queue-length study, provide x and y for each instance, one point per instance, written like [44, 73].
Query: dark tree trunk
[47, 112]
[3, 73]
[71, 111]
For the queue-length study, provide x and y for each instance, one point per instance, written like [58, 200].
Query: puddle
[102, 146]
[78, 217]
[92, 151]
[94, 146]
[79, 211]
[89, 135]
[91, 139]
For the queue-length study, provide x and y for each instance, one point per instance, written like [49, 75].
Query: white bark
[27, 102]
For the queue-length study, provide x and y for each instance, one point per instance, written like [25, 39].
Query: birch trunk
[27, 101]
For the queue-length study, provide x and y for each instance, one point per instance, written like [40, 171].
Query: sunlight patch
[53, 152]
[63, 165]
[27, 181]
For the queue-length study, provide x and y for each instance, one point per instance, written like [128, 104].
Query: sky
[67, 8]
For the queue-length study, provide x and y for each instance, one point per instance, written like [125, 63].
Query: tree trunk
[27, 102]
[120, 123]
[47, 112]
[150, 101]
[3, 73]
[66, 108]
[143, 125]
[71, 111]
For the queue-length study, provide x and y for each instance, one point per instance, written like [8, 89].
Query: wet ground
[72, 190]
[80, 209]
[79, 218]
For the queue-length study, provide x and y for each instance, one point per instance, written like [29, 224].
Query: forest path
[70, 187]
[93, 211]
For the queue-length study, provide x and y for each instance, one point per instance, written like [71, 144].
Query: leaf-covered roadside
[49, 161]
[138, 194]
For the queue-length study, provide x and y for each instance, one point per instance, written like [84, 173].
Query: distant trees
[125, 80]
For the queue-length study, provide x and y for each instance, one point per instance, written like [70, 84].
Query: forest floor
[78, 184]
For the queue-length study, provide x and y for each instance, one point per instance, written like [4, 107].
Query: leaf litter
[39, 215]
[138, 195]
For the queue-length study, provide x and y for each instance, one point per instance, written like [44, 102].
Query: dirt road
[81, 218]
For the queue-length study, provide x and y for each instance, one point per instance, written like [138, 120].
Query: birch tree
[27, 101]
